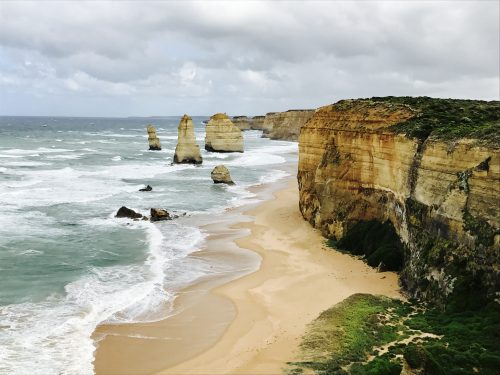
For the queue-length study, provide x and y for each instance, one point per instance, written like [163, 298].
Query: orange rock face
[352, 167]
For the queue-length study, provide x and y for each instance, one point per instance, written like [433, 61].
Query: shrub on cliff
[449, 119]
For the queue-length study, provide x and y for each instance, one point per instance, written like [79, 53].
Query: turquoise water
[66, 264]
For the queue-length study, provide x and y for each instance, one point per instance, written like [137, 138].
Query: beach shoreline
[246, 323]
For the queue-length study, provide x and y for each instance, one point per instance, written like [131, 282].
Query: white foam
[57, 333]
[254, 158]
[26, 163]
[64, 157]
[40, 150]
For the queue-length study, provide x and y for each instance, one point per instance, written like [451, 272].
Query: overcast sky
[169, 58]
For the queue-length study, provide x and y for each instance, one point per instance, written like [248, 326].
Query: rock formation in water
[429, 167]
[222, 136]
[286, 125]
[158, 214]
[128, 213]
[242, 122]
[220, 175]
[154, 142]
[187, 150]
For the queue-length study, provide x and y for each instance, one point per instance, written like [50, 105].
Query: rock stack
[220, 175]
[187, 150]
[222, 135]
[154, 142]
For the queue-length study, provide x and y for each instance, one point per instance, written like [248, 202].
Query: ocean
[67, 264]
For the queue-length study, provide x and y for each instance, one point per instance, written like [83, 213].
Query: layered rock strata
[220, 175]
[187, 150]
[442, 197]
[257, 122]
[222, 136]
[154, 141]
[242, 122]
[286, 125]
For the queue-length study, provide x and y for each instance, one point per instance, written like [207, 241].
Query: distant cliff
[242, 122]
[428, 168]
[285, 125]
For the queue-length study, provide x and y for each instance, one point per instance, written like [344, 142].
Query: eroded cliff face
[242, 122]
[286, 125]
[441, 197]
[257, 122]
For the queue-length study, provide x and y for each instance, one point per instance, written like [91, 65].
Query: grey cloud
[250, 56]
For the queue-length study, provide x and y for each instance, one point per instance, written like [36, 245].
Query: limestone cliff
[440, 192]
[187, 150]
[154, 142]
[286, 125]
[242, 122]
[222, 136]
[257, 122]
[267, 124]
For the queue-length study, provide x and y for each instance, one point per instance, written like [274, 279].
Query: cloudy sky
[169, 58]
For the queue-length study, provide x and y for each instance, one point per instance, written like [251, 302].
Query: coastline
[251, 324]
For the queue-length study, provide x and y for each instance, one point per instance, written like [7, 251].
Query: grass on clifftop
[375, 335]
[449, 119]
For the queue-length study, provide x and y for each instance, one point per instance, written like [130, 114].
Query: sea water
[67, 264]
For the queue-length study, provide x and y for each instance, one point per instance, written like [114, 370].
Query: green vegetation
[375, 335]
[347, 332]
[479, 227]
[449, 119]
[377, 242]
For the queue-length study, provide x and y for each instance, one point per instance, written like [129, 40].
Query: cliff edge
[428, 168]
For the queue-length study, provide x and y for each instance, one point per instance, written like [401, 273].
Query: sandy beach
[251, 325]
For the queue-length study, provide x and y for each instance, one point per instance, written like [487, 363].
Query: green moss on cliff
[449, 119]
[480, 228]
[377, 242]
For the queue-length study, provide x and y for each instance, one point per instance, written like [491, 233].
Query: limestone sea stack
[187, 150]
[220, 175]
[154, 142]
[222, 135]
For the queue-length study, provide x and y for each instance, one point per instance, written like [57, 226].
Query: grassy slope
[342, 338]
